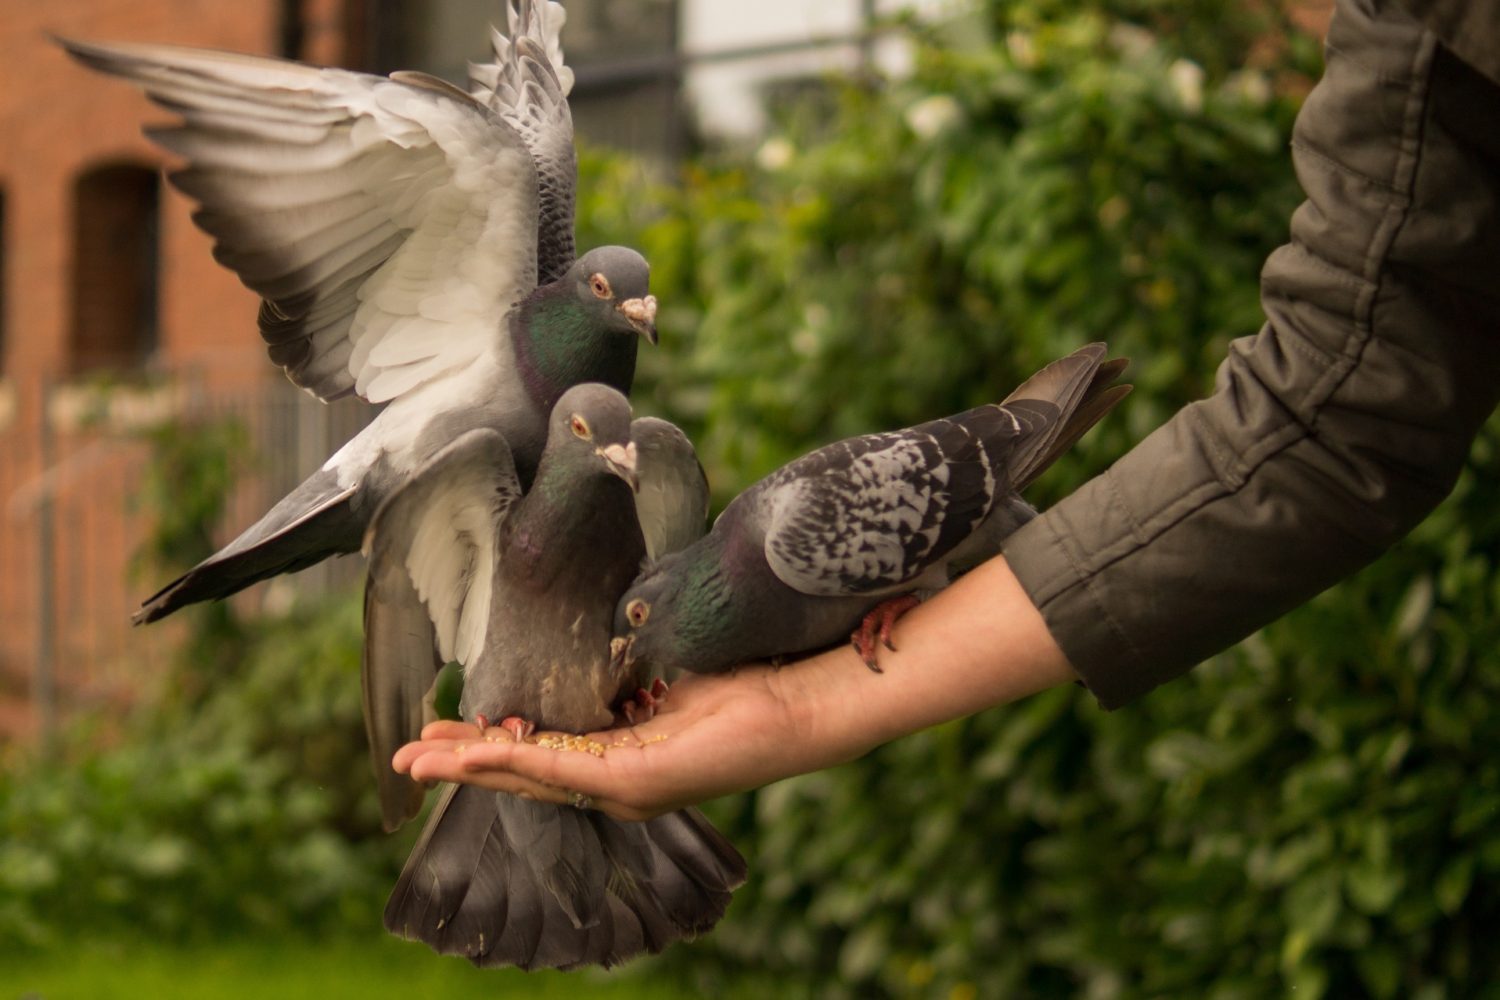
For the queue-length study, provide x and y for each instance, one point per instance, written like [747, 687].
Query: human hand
[710, 736]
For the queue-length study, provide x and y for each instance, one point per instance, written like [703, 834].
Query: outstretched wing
[389, 224]
[870, 514]
[527, 85]
[432, 549]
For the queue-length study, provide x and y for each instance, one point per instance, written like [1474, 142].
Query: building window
[116, 231]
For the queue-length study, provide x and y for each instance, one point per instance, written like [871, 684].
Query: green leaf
[1453, 882]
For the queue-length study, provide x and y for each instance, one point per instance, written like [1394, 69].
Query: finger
[448, 729]
[402, 760]
[574, 770]
[475, 764]
[450, 765]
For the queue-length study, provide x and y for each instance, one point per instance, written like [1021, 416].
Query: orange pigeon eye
[637, 611]
[600, 286]
[580, 427]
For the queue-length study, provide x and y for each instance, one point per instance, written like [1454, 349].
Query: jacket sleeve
[1345, 421]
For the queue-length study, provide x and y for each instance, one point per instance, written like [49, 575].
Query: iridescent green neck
[705, 599]
[559, 345]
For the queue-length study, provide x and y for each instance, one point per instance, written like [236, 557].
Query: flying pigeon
[521, 589]
[412, 244]
[843, 538]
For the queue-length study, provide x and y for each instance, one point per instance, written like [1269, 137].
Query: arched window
[116, 230]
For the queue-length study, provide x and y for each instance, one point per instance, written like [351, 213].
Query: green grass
[291, 970]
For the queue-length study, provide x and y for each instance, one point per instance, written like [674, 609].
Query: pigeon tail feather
[1082, 387]
[506, 881]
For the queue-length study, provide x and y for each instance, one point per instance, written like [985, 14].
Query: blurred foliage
[186, 488]
[1317, 810]
[250, 809]
[1036, 184]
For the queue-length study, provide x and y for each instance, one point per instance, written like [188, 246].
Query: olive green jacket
[1347, 419]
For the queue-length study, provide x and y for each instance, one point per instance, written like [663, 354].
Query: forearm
[978, 644]
[1345, 421]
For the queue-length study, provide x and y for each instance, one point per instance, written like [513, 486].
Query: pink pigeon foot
[642, 708]
[876, 628]
[518, 727]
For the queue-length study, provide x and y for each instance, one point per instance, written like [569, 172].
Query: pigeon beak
[620, 659]
[621, 461]
[641, 315]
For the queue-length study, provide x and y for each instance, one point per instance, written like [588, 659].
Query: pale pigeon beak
[621, 460]
[620, 659]
[641, 314]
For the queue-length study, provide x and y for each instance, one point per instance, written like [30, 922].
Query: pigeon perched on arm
[397, 230]
[521, 589]
[800, 559]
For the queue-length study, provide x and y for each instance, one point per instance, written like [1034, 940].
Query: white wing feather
[390, 224]
[441, 528]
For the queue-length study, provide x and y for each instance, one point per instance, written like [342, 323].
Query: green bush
[249, 808]
[1316, 810]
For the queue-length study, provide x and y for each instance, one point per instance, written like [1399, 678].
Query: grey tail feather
[507, 881]
[316, 520]
[1082, 386]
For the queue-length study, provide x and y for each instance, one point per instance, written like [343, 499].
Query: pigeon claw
[643, 707]
[875, 629]
[518, 727]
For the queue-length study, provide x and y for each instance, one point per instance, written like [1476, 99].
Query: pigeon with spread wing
[412, 244]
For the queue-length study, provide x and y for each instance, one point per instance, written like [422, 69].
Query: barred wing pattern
[527, 85]
[871, 514]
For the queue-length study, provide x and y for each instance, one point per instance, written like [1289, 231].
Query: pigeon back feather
[672, 500]
[869, 515]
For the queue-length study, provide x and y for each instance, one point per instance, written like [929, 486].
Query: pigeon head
[591, 422]
[672, 617]
[613, 284]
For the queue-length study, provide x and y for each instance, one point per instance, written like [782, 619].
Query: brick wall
[72, 304]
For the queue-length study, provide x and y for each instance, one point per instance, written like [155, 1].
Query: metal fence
[72, 522]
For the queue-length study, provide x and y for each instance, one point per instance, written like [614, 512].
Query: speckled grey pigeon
[412, 244]
[521, 590]
[802, 557]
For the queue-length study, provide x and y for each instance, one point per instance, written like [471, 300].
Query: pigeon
[671, 504]
[521, 589]
[412, 244]
[846, 538]
[672, 500]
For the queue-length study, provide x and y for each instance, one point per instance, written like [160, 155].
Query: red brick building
[104, 280]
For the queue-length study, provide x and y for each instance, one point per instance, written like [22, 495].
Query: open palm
[713, 735]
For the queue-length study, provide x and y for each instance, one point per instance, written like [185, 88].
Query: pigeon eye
[600, 286]
[580, 427]
[637, 611]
